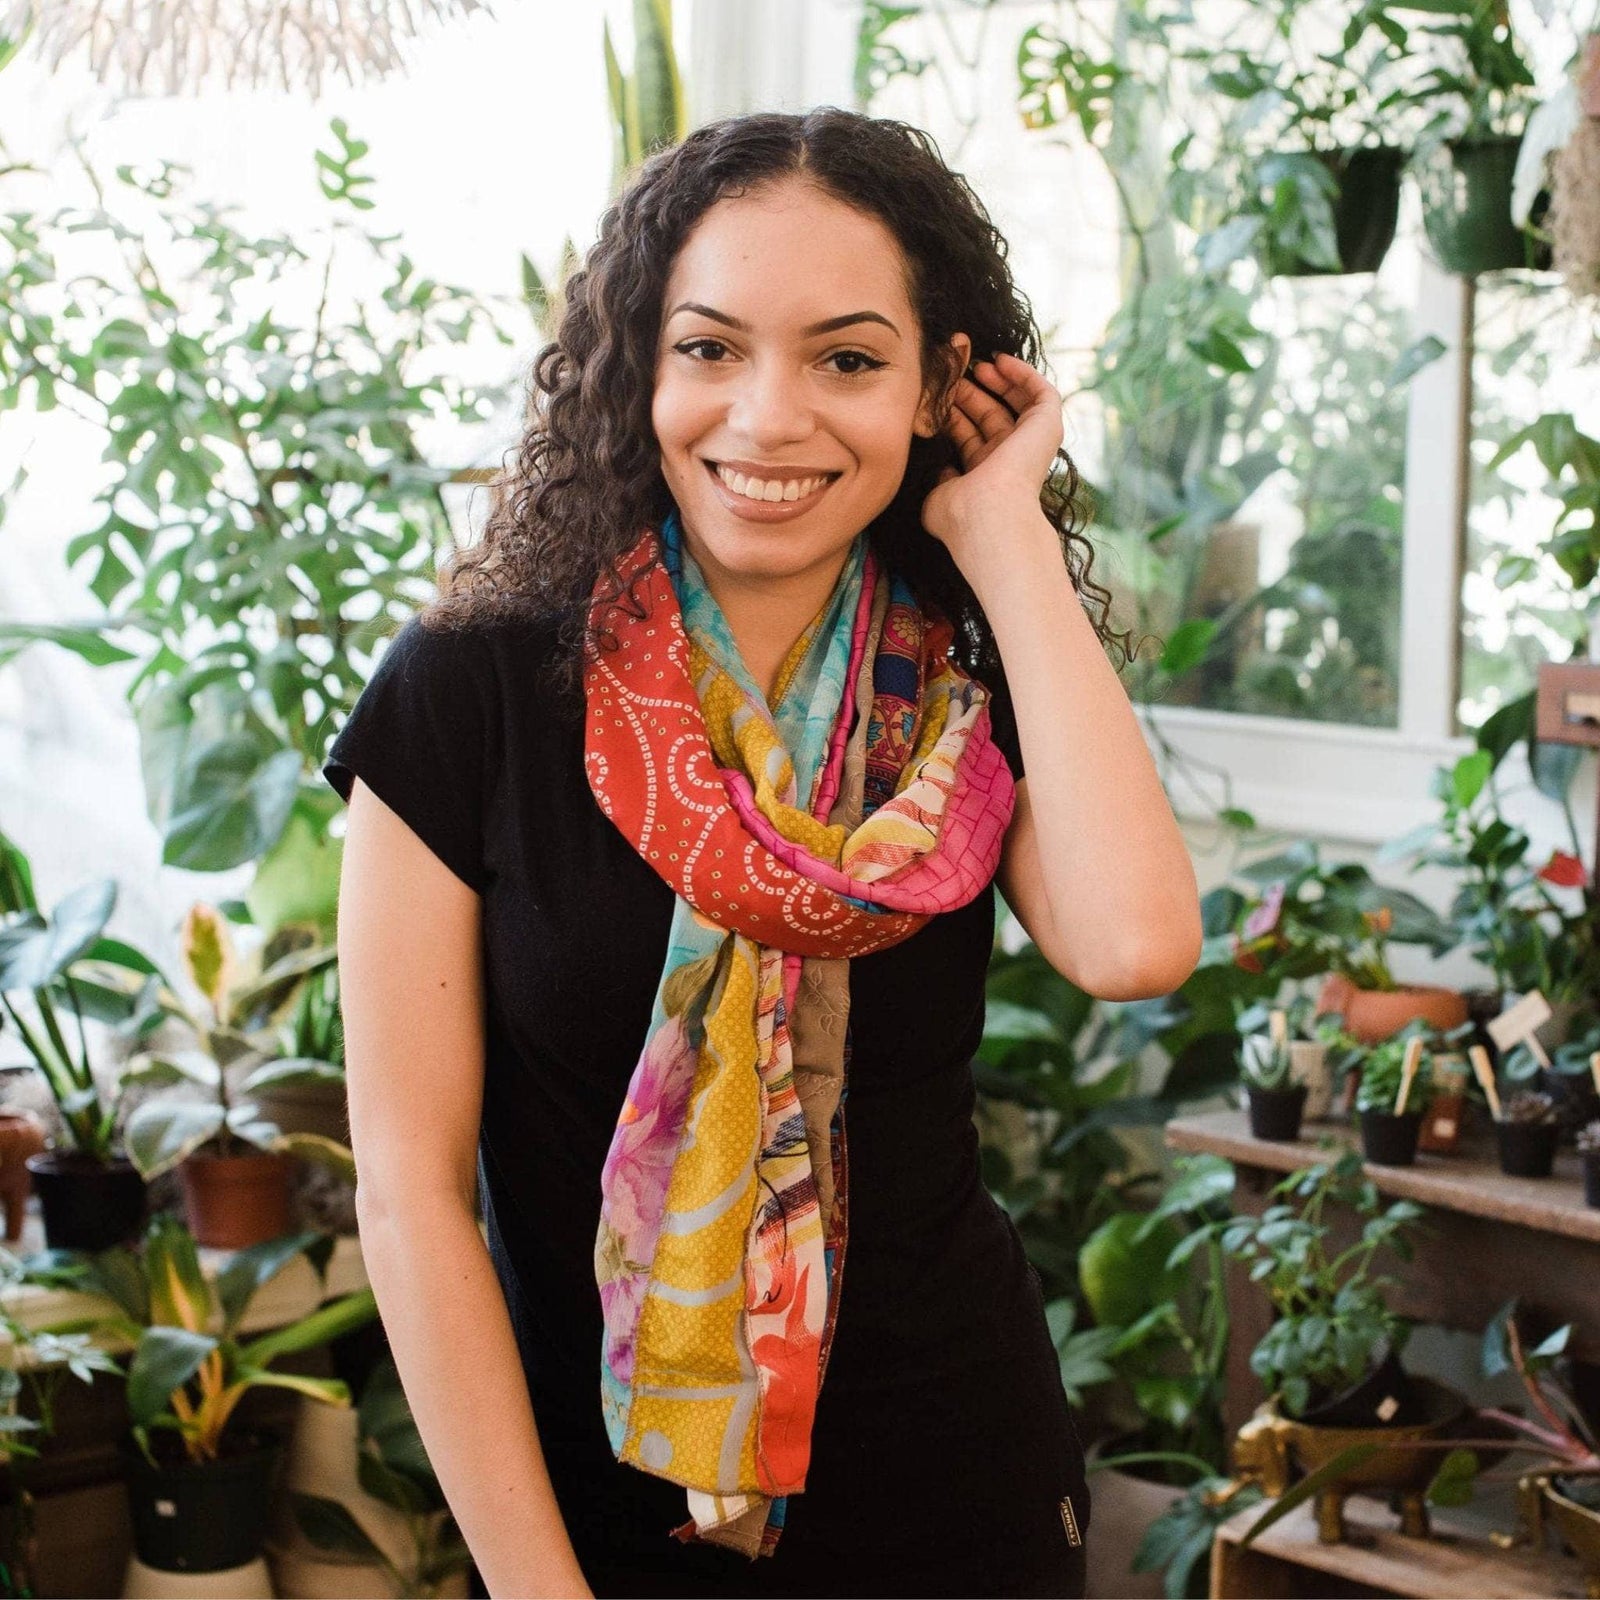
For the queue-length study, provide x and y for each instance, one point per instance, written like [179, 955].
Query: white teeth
[768, 489]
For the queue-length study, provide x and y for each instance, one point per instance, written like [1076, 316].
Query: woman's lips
[766, 510]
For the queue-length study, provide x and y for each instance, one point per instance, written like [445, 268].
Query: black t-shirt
[942, 1391]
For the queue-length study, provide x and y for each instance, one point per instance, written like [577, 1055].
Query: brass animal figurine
[1274, 1450]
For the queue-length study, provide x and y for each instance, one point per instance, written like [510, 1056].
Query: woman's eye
[696, 348]
[872, 363]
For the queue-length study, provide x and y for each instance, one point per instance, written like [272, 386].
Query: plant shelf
[1459, 1561]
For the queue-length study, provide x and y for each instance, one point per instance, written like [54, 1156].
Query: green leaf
[165, 1359]
[35, 953]
[1187, 645]
[160, 1133]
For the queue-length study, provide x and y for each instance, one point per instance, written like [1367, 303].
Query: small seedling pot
[1389, 1140]
[1527, 1149]
[1275, 1113]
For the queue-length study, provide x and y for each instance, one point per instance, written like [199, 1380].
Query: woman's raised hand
[1008, 429]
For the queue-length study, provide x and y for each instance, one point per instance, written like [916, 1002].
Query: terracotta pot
[22, 1134]
[1371, 1015]
[239, 1200]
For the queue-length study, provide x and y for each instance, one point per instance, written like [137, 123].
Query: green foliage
[1382, 1067]
[191, 1363]
[392, 1466]
[1332, 1315]
[268, 516]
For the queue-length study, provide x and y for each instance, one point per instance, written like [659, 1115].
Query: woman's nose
[771, 405]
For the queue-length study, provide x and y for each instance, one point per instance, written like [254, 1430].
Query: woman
[666, 904]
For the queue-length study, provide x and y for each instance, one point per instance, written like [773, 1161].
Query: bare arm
[410, 965]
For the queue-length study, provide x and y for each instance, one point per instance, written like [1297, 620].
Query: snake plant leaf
[35, 952]
[658, 90]
[166, 1358]
[160, 1133]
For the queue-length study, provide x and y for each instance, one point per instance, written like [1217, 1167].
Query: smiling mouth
[736, 484]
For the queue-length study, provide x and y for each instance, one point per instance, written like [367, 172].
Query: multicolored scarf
[834, 821]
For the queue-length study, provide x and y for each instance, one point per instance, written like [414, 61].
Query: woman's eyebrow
[828, 325]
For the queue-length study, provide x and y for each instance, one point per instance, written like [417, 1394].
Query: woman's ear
[935, 407]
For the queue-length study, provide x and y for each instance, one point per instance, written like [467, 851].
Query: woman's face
[789, 363]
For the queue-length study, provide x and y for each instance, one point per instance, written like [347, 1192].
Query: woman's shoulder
[510, 650]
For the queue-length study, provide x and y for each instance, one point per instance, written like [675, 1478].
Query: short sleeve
[1003, 725]
[419, 737]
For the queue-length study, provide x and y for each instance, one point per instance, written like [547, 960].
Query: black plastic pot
[1591, 1177]
[1364, 212]
[87, 1204]
[1390, 1140]
[1383, 1398]
[201, 1516]
[1469, 223]
[1275, 1113]
[1527, 1149]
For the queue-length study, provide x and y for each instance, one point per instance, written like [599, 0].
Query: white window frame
[1334, 781]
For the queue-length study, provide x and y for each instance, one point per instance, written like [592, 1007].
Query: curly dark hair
[587, 478]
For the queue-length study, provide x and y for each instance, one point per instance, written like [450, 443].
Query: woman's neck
[766, 615]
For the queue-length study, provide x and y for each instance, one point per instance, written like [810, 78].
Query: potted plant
[1312, 1042]
[1396, 1084]
[1319, 185]
[1308, 918]
[236, 1167]
[1589, 1151]
[1332, 1354]
[380, 1508]
[1275, 1101]
[199, 1490]
[90, 1193]
[1533, 925]
[1526, 1132]
[37, 1363]
[1563, 1490]
[1480, 104]
[1331, 1359]
[1152, 1281]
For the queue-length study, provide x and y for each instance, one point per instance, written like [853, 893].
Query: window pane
[1534, 355]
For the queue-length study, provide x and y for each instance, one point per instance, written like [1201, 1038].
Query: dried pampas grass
[176, 45]
[1574, 216]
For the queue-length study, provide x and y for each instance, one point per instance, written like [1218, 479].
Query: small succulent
[1529, 1105]
[1265, 1058]
[1589, 1138]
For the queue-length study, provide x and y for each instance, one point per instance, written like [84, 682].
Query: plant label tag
[1519, 1022]
[1387, 1408]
